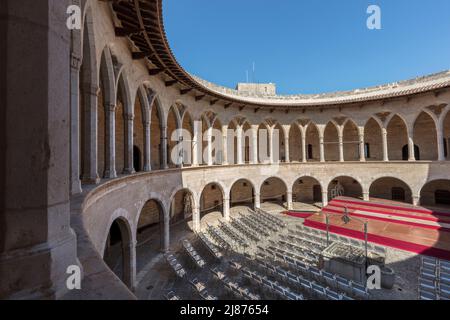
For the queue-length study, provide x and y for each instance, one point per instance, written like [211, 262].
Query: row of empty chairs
[210, 246]
[233, 235]
[201, 289]
[287, 254]
[271, 218]
[434, 279]
[258, 220]
[298, 281]
[221, 239]
[234, 287]
[246, 231]
[175, 265]
[193, 254]
[296, 243]
[259, 229]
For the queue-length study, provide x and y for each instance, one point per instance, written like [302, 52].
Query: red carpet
[384, 241]
[303, 215]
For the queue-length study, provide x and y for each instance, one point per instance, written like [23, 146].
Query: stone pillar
[411, 155]
[289, 200]
[255, 144]
[209, 146]
[226, 208]
[257, 201]
[366, 196]
[196, 143]
[225, 145]
[75, 182]
[286, 148]
[385, 144]
[271, 159]
[362, 152]
[90, 98]
[37, 244]
[322, 147]
[416, 200]
[341, 145]
[110, 142]
[304, 152]
[196, 219]
[129, 169]
[324, 198]
[164, 148]
[129, 264]
[147, 147]
[239, 144]
[166, 233]
[440, 142]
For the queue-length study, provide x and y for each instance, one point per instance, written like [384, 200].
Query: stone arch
[187, 126]
[344, 186]
[350, 137]
[242, 193]
[391, 188]
[279, 148]
[263, 146]
[397, 136]
[273, 190]
[373, 140]
[312, 142]
[150, 225]
[425, 136]
[295, 143]
[182, 205]
[436, 194]
[173, 124]
[307, 189]
[212, 198]
[119, 251]
[331, 141]
[156, 127]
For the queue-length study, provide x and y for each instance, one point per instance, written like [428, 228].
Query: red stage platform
[391, 224]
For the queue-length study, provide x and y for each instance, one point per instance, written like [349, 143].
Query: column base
[89, 180]
[110, 174]
[129, 171]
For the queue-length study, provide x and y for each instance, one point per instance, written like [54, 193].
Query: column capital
[128, 117]
[75, 61]
[110, 107]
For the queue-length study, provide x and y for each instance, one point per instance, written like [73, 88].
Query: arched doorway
[273, 190]
[188, 135]
[211, 199]
[242, 193]
[181, 207]
[137, 159]
[279, 148]
[436, 193]
[390, 189]
[263, 143]
[295, 143]
[312, 143]
[344, 186]
[425, 137]
[307, 190]
[155, 136]
[150, 232]
[117, 253]
[172, 137]
[351, 141]
[331, 140]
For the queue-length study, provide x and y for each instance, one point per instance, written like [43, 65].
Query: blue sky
[308, 46]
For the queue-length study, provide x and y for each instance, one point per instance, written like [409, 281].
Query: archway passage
[331, 140]
[295, 144]
[351, 141]
[263, 143]
[181, 207]
[188, 134]
[425, 137]
[279, 148]
[137, 159]
[436, 194]
[373, 141]
[390, 189]
[344, 186]
[172, 138]
[211, 200]
[155, 137]
[117, 254]
[312, 143]
[150, 232]
[274, 191]
[397, 138]
[242, 193]
[306, 190]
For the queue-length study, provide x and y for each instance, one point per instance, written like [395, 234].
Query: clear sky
[308, 46]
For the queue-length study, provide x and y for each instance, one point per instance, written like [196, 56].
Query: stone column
[129, 169]
[362, 152]
[196, 219]
[164, 148]
[225, 145]
[411, 155]
[324, 198]
[286, 148]
[209, 146]
[90, 97]
[322, 147]
[385, 144]
[440, 142]
[196, 143]
[226, 208]
[129, 264]
[366, 196]
[416, 200]
[289, 200]
[110, 142]
[341, 144]
[147, 147]
[304, 152]
[255, 144]
[257, 201]
[166, 233]
[75, 182]
[37, 244]
[271, 159]
[239, 144]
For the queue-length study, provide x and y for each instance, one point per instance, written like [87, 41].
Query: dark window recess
[367, 150]
[442, 197]
[310, 151]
